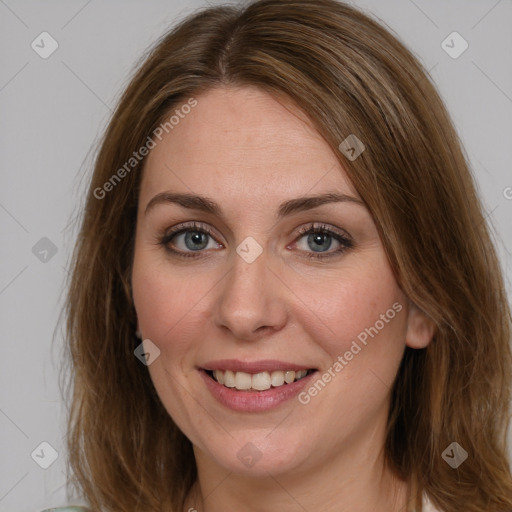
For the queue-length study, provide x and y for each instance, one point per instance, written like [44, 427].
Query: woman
[284, 294]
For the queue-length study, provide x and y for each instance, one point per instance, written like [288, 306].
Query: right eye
[190, 240]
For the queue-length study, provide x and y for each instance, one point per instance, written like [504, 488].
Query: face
[257, 283]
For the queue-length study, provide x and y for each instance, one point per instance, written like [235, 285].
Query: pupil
[319, 241]
[197, 240]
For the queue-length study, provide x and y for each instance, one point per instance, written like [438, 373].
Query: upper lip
[235, 365]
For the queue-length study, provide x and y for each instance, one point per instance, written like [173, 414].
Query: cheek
[165, 302]
[360, 324]
[168, 302]
[364, 304]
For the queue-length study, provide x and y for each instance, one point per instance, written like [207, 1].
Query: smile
[254, 386]
[262, 381]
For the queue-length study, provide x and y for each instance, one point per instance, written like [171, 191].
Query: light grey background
[53, 112]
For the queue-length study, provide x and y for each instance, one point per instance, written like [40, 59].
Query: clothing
[427, 505]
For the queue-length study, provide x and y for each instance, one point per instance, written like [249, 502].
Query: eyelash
[345, 241]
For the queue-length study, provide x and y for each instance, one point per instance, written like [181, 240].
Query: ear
[137, 331]
[420, 328]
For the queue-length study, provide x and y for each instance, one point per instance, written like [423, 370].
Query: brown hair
[350, 76]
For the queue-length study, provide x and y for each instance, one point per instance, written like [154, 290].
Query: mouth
[254, 386]
[261, 381]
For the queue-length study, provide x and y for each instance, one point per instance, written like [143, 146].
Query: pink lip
[268, 365]
[254, 401]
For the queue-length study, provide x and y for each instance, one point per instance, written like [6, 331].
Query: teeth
[289, 377]
[219, 376]
[229, 378]
[243, 380]
[258, 381]
[261, 381]
[277, 379]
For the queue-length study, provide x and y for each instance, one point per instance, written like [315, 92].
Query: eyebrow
[205, 204]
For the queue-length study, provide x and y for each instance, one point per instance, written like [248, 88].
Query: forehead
[243, 141]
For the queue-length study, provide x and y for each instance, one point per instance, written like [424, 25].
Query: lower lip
[254, 401]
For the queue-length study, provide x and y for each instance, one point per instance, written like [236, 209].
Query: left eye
[318, 242]
[319, 239]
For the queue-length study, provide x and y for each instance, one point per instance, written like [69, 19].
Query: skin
[249, 153]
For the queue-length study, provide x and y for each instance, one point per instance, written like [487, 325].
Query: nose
[251, 302]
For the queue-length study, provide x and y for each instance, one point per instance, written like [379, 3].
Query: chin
[257, 456]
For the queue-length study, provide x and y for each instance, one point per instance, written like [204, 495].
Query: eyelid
[183, 227]
[321, 227]
[188, 226]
